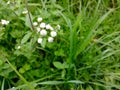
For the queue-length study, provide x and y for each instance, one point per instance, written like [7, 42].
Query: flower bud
[35, 23]
[18, 47]
[39, 19]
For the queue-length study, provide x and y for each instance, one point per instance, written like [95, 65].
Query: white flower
[8, 2]
[38, 29]
[53, 33]
[25, 12]
[35, 23]
[42, 25]
[48, 26]
[4, 22]
[18, 47]
[39, 19]
[50, 39]
[43, 32]
[40, 40]
[58, 26]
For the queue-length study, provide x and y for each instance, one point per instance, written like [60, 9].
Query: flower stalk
[26, 4]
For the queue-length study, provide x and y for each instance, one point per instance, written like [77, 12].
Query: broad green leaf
[26, 37]
[27, 21]
[58, 65]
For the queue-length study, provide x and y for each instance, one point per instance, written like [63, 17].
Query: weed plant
[59, 44]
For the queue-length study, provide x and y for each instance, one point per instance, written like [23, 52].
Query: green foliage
[85, 54]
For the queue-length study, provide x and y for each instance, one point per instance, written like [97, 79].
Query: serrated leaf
[26, 37]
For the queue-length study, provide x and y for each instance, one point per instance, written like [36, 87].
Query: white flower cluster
[25, 12]
[45, 30]
[4, 22]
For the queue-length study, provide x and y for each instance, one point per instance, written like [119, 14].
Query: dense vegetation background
[83, 52]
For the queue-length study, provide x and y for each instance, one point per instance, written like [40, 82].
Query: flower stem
[26, 4]
[22, 78]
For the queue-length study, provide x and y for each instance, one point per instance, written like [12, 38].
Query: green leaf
[91, 35]
[59, 65]
[89, 88]
[27, 21]
[76, 81]
[43, 44]
[1, 62]
[26, 37]
[3, 84]
[21, 70]
[52, 82]
[59, 52]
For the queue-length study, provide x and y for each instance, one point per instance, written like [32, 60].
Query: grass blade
[91, 35]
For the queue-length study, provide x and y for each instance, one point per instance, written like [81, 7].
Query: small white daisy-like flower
[4, 22]
[42, 25]
[39, 19]
[50, 39]
[58, 26]
[43, 32]
[48, 26]
[18, 47]
[25, 12]
[53, 33]
[40, 40]
[35, 23]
